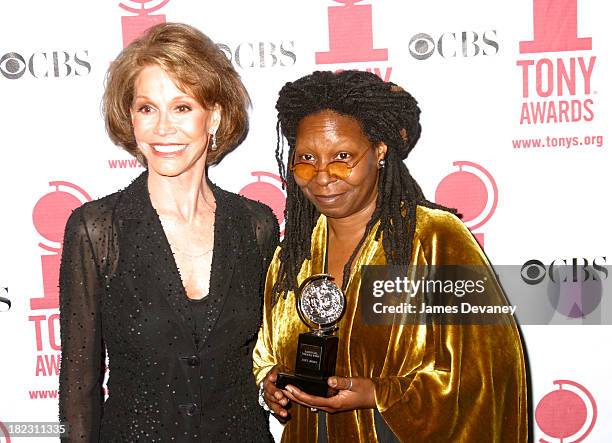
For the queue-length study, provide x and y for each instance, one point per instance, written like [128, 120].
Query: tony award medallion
[320, 304]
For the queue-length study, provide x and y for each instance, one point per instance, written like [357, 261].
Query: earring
[213, 146]
[381, 163]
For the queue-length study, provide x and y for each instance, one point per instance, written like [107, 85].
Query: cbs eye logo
[573, 270]
[573, 286]
[49, 64]
[5, 302]
[12, 65]
[454, 44]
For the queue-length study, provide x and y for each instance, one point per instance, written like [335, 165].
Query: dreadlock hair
[387, 114]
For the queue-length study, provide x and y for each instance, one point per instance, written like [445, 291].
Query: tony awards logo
[557, 67]
[133, 26]
[473, 191]
[566, 414]
[555, 29]
[268, 189]
[49, 216]
[350, 35]
[4, 433]
[320, 305]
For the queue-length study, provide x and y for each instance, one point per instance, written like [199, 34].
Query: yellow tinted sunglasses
[338, 168]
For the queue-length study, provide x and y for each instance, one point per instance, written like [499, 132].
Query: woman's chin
[169, 170]
[332, 212]
[164, 172]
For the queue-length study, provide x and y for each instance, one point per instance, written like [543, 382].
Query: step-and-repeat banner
[516, 106]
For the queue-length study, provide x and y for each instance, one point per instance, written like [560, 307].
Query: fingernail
[333, 382]
[289, 388]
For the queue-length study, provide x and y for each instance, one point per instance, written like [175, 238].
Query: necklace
[170, 226]
[188, 254]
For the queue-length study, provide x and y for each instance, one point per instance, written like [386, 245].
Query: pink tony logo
[4, 433]
[555, 28]
[49, 216]
[473, 191]
[350, 35]
[267, 189]
[566, 414]
[134, 26]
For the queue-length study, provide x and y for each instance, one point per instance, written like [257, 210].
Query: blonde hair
[198, 67]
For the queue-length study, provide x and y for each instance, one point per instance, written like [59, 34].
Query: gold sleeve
[468, 381]
[434, 382]
[263, 353]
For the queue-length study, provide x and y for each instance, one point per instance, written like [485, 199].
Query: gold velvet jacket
[433, 382]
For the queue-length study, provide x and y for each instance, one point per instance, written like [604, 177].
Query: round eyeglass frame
[337, 168]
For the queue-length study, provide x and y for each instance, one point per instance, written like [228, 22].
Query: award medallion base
[310, 385]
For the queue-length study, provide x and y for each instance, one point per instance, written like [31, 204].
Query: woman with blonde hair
[166, 275]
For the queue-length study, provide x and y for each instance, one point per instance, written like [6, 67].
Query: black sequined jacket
[120, 291]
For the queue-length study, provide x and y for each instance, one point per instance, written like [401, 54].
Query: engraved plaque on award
[320, 305]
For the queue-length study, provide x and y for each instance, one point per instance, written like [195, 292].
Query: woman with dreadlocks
[352, 202]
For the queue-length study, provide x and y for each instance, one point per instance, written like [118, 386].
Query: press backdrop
[515, 100]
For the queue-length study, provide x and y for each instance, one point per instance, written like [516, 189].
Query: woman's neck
[346, 229]
[184, 196]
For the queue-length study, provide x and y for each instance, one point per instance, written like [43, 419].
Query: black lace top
[121, 293]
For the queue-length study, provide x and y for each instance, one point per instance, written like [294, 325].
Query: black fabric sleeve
[82, 360]
[266, 229]
[269, 238]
